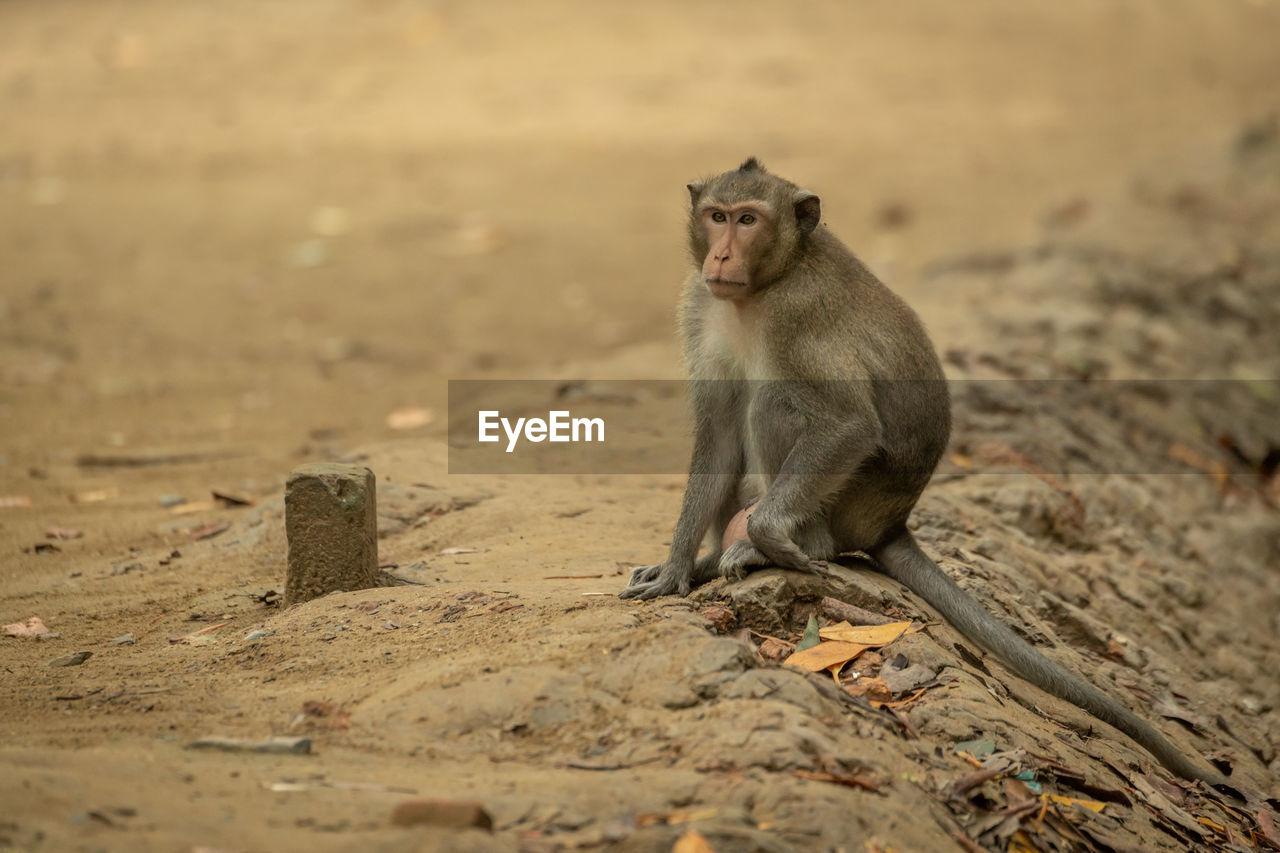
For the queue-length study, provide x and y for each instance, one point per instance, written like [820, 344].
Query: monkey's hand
[652, 581]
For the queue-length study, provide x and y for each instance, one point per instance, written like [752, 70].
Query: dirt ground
[238, 236]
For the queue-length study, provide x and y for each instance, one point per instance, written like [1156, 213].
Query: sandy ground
[237, 236]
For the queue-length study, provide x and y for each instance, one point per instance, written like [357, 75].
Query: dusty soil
[237, 236]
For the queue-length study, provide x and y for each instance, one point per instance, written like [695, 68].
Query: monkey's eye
[746, 219]
[717, 216]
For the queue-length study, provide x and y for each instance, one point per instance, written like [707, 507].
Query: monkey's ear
[808, 211]
[695, 192]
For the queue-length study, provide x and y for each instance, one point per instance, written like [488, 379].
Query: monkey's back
[881, 340]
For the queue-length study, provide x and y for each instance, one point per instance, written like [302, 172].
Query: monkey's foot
[738, 559]
[741, 557]
[652, 581]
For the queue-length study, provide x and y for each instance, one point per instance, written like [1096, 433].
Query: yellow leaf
[1221, 830]
[692, 842]
[1019, 843]
[865, 635]
[1091, 805]
[825, 655]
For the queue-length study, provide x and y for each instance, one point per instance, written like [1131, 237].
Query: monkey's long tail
[902, 560]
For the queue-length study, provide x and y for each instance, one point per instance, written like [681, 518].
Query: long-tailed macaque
[812, 380]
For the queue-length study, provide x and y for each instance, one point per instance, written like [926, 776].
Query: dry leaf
[1189, 456]
[873, 688]
[1216, 827]
[95, 495]
[449, 552]
[194, 634]
[846, 779]
[864, 635]
[206, 531]
[692, 842]
[825, 655]
[410, 417]
[1267, 826]
[1019, 843]
[33, 627]
[1091, 805]
[775, 650]
[328, 716]
[899, 703]
[62, 533]
[9, 501]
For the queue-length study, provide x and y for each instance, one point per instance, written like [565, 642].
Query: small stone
[124, 570]
[167, 501]
[257, 635]
[449, 813]
[73, 659]
[123, 640]
[903, 679]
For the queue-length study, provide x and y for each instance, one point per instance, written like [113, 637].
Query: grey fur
[823, 384]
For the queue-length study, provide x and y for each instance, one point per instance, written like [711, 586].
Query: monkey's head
[747, 227]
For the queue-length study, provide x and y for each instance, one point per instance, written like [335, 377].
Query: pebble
[275, 745]
[73, 659]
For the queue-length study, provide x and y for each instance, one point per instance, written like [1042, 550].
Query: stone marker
[331, 517]
[451, 813]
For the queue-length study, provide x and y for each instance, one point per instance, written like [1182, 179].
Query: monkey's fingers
[738, 559]
[667, 582]
[646, 591]
[644, 574]
[784, 553]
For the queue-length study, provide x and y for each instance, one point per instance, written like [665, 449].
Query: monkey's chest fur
[747, 376]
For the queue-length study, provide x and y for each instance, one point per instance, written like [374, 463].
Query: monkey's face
[736, 237]
[747, 228]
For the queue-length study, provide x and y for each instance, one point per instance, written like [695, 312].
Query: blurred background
[262, 228]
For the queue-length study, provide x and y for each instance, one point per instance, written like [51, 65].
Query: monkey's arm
[714, 474]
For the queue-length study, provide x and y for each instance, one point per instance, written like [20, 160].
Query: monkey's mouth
[722, 287]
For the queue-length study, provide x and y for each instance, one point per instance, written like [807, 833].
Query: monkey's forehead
[723, 202]
[732, 187]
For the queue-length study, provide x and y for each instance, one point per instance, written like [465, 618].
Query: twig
[840, 610]
[204, 630]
